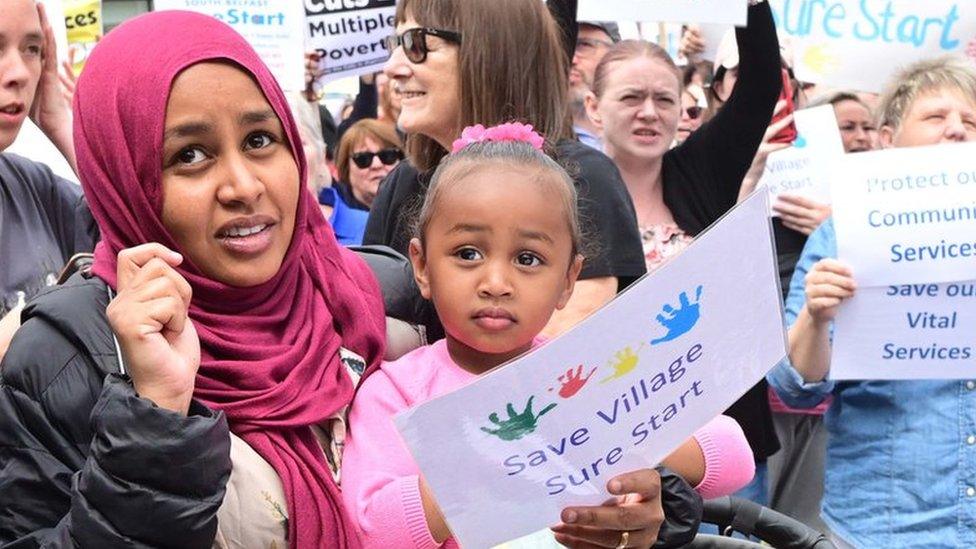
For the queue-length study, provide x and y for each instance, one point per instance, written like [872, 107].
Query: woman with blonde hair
[368, 152]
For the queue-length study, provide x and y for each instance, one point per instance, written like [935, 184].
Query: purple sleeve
[729, 462]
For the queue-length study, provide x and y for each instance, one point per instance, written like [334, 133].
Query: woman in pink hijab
[201, 368]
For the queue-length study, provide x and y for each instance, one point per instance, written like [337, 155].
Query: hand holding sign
[766, 148]
[692, 42]
[632, 518]
[828, 284]
[801, 214]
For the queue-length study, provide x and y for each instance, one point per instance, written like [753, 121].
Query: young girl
[497, 249]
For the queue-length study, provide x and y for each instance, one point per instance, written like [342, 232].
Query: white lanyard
[118, 350]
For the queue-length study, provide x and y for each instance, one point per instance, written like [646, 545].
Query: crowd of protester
[229, 310]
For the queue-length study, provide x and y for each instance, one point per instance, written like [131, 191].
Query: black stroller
[736, 515]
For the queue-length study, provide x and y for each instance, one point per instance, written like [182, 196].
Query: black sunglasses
[414, 42]
[694, 112]
[388, 157]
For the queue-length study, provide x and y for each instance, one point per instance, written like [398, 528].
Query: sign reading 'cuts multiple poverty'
[272, 27]
[348, 35]
[730, 12]
[841, 43]
[906, 224]
[617, 393]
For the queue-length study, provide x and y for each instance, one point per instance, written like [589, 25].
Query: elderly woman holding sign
[901, 450]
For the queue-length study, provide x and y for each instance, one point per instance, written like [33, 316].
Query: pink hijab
[270, 357]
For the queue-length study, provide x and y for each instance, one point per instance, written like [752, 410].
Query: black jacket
[84, 462]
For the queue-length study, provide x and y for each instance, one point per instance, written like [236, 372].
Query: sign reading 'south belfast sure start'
[617, 393]
[272, 27]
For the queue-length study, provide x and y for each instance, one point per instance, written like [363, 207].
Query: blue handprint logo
[800, 142]
[679, 321]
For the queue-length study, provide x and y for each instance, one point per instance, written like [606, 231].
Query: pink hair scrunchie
[513, 131]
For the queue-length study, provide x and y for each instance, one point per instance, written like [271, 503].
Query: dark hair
[479, 156]
[511, 66]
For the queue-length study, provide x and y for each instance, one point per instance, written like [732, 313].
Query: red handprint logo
[573, 381]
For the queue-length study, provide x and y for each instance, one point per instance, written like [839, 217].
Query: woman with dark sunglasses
[369, 150]
[460, 63]
[692, 117]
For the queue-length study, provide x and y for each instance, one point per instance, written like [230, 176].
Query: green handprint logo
[518, 424]
[625, 362]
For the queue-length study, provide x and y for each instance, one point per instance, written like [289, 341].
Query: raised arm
[828, 284]
[718, 155]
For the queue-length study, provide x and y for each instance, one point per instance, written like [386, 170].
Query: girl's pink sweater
[380, 481]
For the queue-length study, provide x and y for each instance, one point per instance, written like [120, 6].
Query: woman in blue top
[901, 457]
[369, 150]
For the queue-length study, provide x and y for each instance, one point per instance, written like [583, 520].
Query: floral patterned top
[661, 242]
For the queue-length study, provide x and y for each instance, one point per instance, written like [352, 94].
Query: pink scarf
[270, 353]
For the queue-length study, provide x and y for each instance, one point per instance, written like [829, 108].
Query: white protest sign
[617, 393]
[348, 35]
[914, 331]
[730, 12]
[803, 168]
[907, 215]
[274, 28]
[859, 44]
[712, 34]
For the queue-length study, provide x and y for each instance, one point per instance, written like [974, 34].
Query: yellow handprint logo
[820, 59]
[625, 361]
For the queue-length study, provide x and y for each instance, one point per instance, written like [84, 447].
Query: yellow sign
[83, 19]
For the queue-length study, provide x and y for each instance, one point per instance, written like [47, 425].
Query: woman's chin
[245, 273]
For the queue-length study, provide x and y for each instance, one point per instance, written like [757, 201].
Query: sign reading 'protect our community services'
[906, 224]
